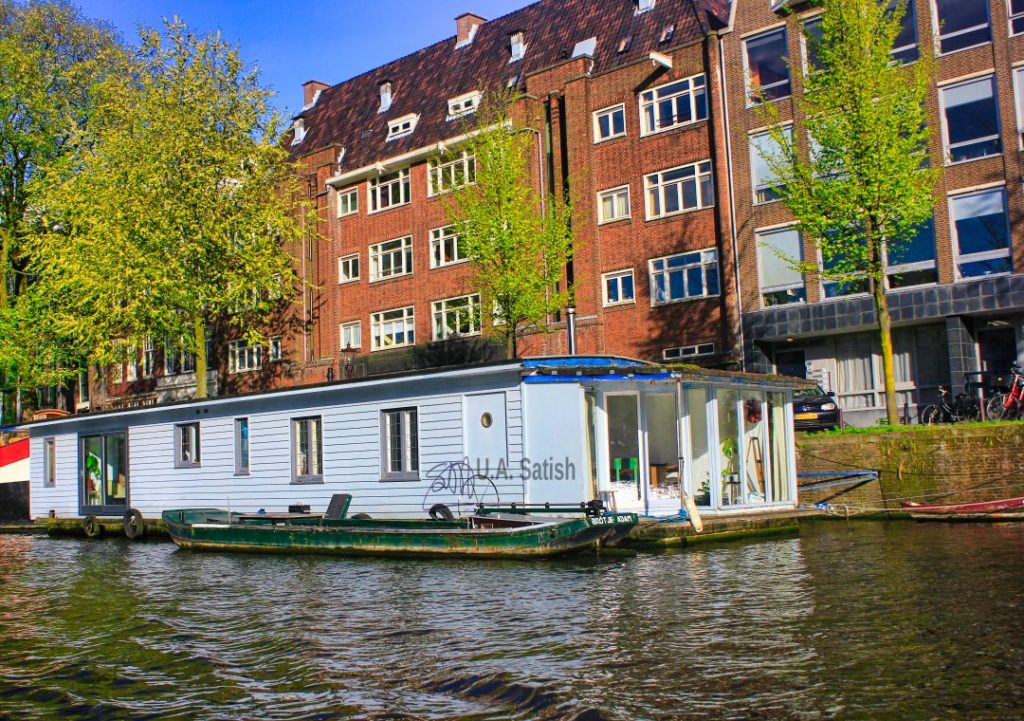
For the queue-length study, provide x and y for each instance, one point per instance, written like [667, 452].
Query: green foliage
[172, 211]
[865, 186]
[518, 241]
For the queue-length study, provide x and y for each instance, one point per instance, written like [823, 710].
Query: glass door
[104, 474]
[625, 482]
[700, 451]
[660, 417]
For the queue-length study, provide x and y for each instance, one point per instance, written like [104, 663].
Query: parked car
[815, 410]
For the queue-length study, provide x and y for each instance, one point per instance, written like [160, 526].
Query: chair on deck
[338, 506]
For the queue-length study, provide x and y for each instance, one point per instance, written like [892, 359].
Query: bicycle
[1008, 406]
[962, 408]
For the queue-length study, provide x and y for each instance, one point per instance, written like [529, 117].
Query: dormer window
[385, 97]
[625, 44]
[402, 126]
[464, 105]
[666, 34]
[643, 6]
[518, 47]
[299, 129]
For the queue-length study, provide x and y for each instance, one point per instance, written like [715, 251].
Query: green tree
[865, 187]
[175, 210]
[518, 238]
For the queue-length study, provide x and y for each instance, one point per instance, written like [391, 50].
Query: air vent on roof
[667, 33]
[512, 82]
[643, 6]
[300, 131]
[585, 48]
[518, 42]
[624, 44]
[385, 96]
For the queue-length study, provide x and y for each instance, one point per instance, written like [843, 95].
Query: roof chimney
[466, 26]
[310, 89]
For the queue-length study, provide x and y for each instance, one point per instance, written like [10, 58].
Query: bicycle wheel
[931, 415]
[966, 411]
[995, 408]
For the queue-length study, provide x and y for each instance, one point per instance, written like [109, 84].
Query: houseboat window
[242, 446]
[307, 451]
[754, 448]
[50, 462]
[186, 445]
[778, 431]
[729, 448]
[104, 464]
[400, 456]
[624, 448]
[700, 458]
[663, 447]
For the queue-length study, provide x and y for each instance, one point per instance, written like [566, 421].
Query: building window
[610, 123]
[518, 44]
[148, 358]
[389, 191]
[669, 106]
[767, 66]
[1016, 17]
[762, 147]
[457, 317]
[913, 263]
[243, 357]
[186, 445]
[811, 41]
[83, 388]
[688, 351]
[962, 24]
[464, 105]
[348, 202]
[307, 451]
[132, 365]
[677, 190]
[391, 258]
[49, 462]
[618, 287]
[451, 175]
[393, 328]
[241, 446]
[1018, 86]
[684, 276]
[904, 45]
[400, 446]
[445, 248]
[402, 126]
[970, 120]
[613, 204]
[780, 282]
[981, 234]
[348, 268]
[351, 335]
[275, 351]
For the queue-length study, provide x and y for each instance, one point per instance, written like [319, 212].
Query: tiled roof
[347, 114]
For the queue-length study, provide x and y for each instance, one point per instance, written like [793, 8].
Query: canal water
[847, 621]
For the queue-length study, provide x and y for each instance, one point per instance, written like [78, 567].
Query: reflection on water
[870, 621]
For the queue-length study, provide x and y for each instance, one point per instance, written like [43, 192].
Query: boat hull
[974, 509]
[214, 530]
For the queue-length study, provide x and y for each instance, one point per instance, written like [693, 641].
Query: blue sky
[327, 40]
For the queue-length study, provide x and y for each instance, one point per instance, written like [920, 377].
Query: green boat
[514, 532]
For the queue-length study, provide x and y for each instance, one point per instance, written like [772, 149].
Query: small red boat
[1001, 510]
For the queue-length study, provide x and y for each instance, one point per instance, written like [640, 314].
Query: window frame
[617, 275]
[938, 36]
[1018, 101]
[194, 459]
[601, 219]
[438, 236]
[704, 264]
[473, 97]
[774, 183]
[50, 462]
[1011, 16]
[402, 127]
[998, 135]
[645, 131]
[275, 350]
[347, 326]
[751, 101]
[236, 349]
[782, 287]
[344, 260]
[954, 234]
[242, 440]
[610, 110]
[436, 171]
[408, 320]
[350, 198]
[698, 174]
[442, 307]
[404, 251]
[316, 464]
[409, 445]
[402, 178]
[891, 269]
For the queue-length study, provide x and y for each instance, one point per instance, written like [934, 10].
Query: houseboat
[559, 430]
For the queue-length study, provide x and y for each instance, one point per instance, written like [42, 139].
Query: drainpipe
[570, 327]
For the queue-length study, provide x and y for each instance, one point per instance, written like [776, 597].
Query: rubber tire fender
[92, 527]
[441, 512]
[361, 516]
[133, 524]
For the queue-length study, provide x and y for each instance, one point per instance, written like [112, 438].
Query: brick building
[957, 296]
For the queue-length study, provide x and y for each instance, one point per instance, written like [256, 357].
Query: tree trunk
[5, 252]
[510, 343]
[885, 340]
[202, 392]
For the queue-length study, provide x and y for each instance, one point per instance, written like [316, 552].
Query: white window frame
[690, 92]
[708, 257]
[345, 271]
[946, 148]
[463, 105]
[382, 328]
[764, 290]
[406, 422]
[275, 351]
[439, 238]
[378, 187]
[244, 358]
[938, 36]
[517, 44]
[1006, 252]
[1011, 16]
[188, 445]
[773, 182]
[654, 182]
[148, 357]
[1018, 102]
[243, 462]
[401, 127]
[443, 177]
[610, 110]
[50, 462]
[348, 202]
[447, 315]
[314, 459]
[402, 251]
[748, 88]
[613, 193]
[617, 276]
[688, 351]
[349, 331]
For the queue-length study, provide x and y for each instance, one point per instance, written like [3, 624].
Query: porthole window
[486, 420]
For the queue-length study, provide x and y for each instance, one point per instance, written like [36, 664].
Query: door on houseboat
[625, 481]
[487, 438]
[104, 474]
[699, 451]
[661, 422]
